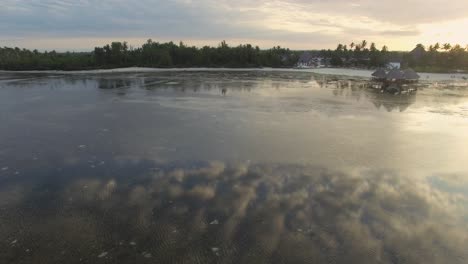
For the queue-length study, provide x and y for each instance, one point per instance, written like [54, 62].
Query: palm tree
[352, 45]
[357, 47]
[437, 46]
[339, 48]
[363, 44]
[457, 48]
[447, 46]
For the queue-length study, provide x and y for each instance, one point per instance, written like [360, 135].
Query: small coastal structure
[395, 75]
[411, 75]
[380, 74]
[395, 80]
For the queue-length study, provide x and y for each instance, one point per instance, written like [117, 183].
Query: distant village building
[308, 60]
[305, 59]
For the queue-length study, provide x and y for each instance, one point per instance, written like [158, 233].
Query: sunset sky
[297, 24]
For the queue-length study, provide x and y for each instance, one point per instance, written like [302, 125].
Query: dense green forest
[437, 58]
[150, 54]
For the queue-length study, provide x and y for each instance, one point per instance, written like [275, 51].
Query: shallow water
[285, 167]
[348, 72]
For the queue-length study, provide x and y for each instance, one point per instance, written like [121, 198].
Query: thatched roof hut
[395, 74]
[410, 74]
[380, 73]
[418, 52]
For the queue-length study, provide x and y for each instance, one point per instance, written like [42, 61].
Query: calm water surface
[231, 167]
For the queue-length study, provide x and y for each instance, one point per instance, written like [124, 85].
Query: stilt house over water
[396, 75]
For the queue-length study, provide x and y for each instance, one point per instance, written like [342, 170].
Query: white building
[393, 65]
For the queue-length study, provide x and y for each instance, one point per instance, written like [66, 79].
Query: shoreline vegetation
[435, 59]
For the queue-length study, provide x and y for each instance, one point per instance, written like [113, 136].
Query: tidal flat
[231, 167]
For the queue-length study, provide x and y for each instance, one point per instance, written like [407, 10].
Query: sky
[298, 24]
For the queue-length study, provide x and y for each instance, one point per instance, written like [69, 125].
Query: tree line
[438, 58]
[360, 54]
[435, 58]
[150, 54]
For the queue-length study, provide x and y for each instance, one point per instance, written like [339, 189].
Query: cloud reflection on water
[262, 213]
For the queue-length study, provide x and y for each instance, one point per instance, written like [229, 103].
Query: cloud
[395, 12]
[400, 32]
[321, 23]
